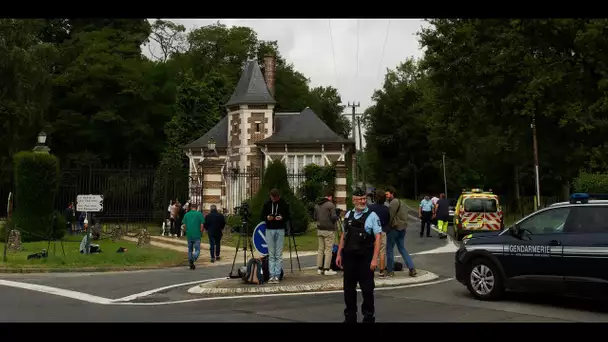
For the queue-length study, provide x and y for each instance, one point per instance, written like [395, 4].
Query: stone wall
[14, 241]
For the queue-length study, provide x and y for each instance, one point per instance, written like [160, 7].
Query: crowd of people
[368, 236]
[189, 220]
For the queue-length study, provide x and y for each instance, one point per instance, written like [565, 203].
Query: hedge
[36, 186]
[275, 176]
[591, 183]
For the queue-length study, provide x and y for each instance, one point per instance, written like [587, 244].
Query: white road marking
[153, 291]
[450, 247]
[275, 294]
[85, 297]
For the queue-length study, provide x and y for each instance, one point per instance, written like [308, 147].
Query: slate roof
[251, 88]
[219, 133]
[305, 127]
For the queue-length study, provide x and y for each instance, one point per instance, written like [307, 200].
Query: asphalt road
[447, 301]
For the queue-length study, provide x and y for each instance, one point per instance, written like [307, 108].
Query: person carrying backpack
[396, 235]
[358, 257]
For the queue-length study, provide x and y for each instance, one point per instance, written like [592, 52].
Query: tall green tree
[25, 86]
[327, 104]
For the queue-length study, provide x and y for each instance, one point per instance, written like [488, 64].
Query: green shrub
[36, 186]
[275, 176]
[591, 182]
[60, 227]
[318, 179]
[5, 227]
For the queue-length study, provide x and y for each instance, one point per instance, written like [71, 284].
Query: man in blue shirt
[426, 212]
[381, 209]
[358, 257]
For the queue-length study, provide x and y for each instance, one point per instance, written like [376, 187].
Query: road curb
[329, 285]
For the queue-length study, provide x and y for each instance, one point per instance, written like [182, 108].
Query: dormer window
[258, 126]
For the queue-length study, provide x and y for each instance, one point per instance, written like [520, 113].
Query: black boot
[369, 319]
[350, 318]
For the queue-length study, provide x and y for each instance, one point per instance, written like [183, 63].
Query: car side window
[550, 221]
[588, 220]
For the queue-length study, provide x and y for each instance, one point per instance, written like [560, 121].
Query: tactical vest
[357, 240]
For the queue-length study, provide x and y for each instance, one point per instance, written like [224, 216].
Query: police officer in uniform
[358, 257]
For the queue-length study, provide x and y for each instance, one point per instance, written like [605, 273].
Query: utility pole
[361, 147]
[354, 106]
[536, 171]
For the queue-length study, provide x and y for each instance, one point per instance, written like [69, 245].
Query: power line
[333, 54]
[383, 49]
[357, 72]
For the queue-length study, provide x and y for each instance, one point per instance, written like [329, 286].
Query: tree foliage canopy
[474, 95]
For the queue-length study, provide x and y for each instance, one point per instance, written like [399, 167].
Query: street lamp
[41, 138]
[41, 147]
[211, 144]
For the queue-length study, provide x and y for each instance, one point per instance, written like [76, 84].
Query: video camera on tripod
[245, 214]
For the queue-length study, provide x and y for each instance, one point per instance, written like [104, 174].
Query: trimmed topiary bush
[36, 186]
[275, 176]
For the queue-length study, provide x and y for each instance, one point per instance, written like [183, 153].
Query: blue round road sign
[259, 238]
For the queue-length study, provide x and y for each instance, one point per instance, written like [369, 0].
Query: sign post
[86, 204]
[259, 239]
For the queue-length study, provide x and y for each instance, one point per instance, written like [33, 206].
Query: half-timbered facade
[225, 162]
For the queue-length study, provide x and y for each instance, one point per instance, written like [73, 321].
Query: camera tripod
[53, 240]
[292, 239]
[244, 232]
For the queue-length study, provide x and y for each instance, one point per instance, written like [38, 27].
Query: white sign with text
[89, 203]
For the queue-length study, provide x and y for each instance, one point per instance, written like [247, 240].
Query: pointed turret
[251, 88]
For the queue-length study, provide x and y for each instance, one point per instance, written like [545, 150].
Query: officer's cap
[358, 192]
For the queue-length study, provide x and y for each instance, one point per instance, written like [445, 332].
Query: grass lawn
[305, 242]
[148, 256]
[412, 204]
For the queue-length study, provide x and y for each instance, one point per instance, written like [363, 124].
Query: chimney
[269, 72]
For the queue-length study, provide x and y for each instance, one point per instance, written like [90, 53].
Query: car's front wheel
[484, 281]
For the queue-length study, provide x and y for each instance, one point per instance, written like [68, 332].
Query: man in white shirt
[434, 221]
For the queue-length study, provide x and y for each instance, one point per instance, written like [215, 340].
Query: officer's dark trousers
[356, 270]
[427, 216]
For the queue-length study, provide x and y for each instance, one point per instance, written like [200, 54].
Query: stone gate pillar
[340, 191]
[212, 184]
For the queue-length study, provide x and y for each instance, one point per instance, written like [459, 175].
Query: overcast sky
[350, 55]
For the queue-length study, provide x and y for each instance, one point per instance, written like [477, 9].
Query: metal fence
[138, 194]
[131, 194]
[241, 185]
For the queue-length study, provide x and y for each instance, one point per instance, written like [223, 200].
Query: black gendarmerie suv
[561, 249]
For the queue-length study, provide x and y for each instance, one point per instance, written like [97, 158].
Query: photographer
[276, 215]
[325, 216]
